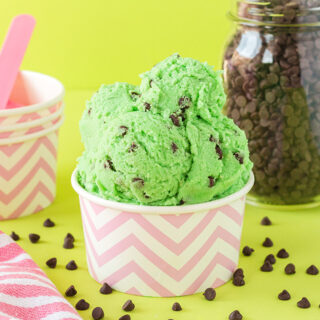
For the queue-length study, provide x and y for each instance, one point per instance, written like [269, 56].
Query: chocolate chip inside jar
[272, 80]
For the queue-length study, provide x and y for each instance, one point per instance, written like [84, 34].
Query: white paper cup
[162, 251]
[39, 94]
[28, 172]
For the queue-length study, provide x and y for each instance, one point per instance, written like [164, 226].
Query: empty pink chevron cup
[162, 251]
[28, 145]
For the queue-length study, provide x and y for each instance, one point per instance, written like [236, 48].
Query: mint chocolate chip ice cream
[164, 142]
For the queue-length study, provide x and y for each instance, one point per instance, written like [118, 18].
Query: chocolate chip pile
[272, 78]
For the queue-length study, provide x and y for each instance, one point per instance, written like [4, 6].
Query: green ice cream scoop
[165, 142]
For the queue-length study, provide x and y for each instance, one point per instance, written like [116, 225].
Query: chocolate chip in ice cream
[175, 120]
[211, 181]
[219, 152]
[133, 147]
[139, 181]
[147, 106]
[124, 130]
[238, 157]
[174, 147]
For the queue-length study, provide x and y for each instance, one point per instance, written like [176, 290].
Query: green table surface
[298, 232]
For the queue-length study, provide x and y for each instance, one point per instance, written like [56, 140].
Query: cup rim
[32, 136]
[37, 106]
[163, 210]
[34, 123]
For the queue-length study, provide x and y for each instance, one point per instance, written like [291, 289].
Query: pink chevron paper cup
[28, 172]
[162, 251]
[39, 94]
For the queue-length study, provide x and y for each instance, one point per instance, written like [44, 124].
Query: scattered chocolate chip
[219, 152]
[210, 294]
[68, 243]
[235, 315]
[52, 263]
[266, 267]
[282, 254]
[82, 305]
[133, 147]
[105, 289]
[247, 251]
[124, 130]
[139, 180]
[34, 238]
[71, 291]
[125, 317]
[48, 223]
[174, 147]
[14, 236]
[284, 295]
[212, 181]
[271, 258]
[175, 120]
[238, 273]
[182, 202]
[313, 270]
[267, 243]
[97, 313]
[304, 303]
[128, 306]
[176, 306]
[147, 106]
[290, 269]
[238, 281]
[72, 265]
[69, 235]
[266, 222]
[146, 196]
[238, 157]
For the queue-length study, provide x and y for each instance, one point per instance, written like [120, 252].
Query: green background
[86, 43]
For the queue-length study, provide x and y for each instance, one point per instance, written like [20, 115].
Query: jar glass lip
[296, 13]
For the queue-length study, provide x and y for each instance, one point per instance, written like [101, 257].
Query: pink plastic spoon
[12, 53]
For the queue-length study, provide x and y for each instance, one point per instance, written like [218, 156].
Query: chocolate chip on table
[174, 147]
[304, 303]
[211, 181]
[235, 315]
[125, 317]
[69, 235]
[128, 306]
[175, 120]
[52, 263]
[176, 306]
[312, 270]
[71, 291]
[97, 313]
[68, 243]
[266, 267]
[14, 236]
[238, 273]
[124, 130]
[219, 152]
[266, 222]
[290, 269]
[82, 305]
[284, 295]
[34, 238]
[271, 258]
[133, 147]
[247, 251]
[105, 289]
[238, 281]
[139, 180]
[209, 294]
[282, 254]
[238, 157]
[72, 265]
[48, 223]
[147, 106]
[267, 243]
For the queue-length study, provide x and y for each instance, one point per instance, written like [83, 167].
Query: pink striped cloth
[26, 293]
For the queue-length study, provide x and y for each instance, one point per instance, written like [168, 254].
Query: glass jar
[272, 79]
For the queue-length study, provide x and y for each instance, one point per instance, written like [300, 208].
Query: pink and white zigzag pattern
[26, 117]
[162, 255]
[25, 291]
[27, 176]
